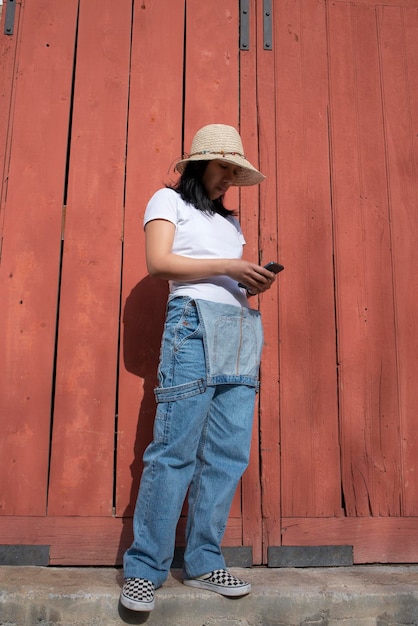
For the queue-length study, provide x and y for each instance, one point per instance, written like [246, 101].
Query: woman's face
[218, 177]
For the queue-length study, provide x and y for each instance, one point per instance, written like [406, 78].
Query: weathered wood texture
[30, 254]
[87, 540]
[103, 540]
[374, 183]
[96, 106]
[268, 251]
[308, 389]
[374, 539]
[81, 472]
[249, 217]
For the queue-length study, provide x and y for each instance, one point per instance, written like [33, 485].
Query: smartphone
[271, 267]
[274, 267]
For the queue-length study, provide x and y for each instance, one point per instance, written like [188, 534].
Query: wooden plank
[369, 418]
[249, 219]
[268, 303]
[102, 540]
[398, 31]
[349, 260]
[87, 540]
[81, 472]
[31, 251]
[154, 141]
[308, 398]
[211, 80]
[381, 381]
[375, 539]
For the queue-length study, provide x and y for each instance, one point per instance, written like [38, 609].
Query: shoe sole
[134, 605]
[231, 592]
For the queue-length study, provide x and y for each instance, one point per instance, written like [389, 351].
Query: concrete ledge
[350, 596]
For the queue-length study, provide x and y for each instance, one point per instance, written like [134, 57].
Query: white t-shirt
[200, 236]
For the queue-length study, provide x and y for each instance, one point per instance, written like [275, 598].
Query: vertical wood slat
[398, 32]
[249, 219]
[81, 475]
[211, 88]
[367, 349]
[154, 140]
[268, 251]
[349, 259]
[31, 251]
[211, 82]
[308, 404]
[381, 377]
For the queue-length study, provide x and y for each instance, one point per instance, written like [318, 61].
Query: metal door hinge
[244, 25]
[268, 25]
[9, 21]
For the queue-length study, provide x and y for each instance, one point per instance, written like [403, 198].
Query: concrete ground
[349, 596]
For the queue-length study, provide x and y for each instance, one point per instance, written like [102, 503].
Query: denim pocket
[182, 354]
[188, 326]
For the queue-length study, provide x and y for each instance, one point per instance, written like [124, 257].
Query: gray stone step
[349, 596]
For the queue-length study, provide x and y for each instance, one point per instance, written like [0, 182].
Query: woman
[208, 371]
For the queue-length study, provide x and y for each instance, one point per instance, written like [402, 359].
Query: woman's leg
[169, 461]
[222, 456]
[168, 469]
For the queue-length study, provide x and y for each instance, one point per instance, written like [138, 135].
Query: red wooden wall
[95, 109]
[361, 253]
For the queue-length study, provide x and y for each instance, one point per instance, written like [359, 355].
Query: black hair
[191, 189]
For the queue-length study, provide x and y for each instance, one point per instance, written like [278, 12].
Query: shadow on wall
[143, 323]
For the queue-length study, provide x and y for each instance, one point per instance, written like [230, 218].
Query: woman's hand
[255, 277]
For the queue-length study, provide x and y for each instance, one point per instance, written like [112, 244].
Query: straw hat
[218, 141]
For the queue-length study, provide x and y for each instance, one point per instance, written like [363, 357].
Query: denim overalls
[208, 378]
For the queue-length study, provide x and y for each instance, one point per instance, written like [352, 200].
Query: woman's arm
[162, 263]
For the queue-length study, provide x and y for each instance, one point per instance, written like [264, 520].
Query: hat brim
[248, 174]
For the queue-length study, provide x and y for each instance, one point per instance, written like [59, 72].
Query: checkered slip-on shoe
[138, 594]
[221, 581]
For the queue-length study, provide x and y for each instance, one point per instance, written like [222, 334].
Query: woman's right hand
[255, 277]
